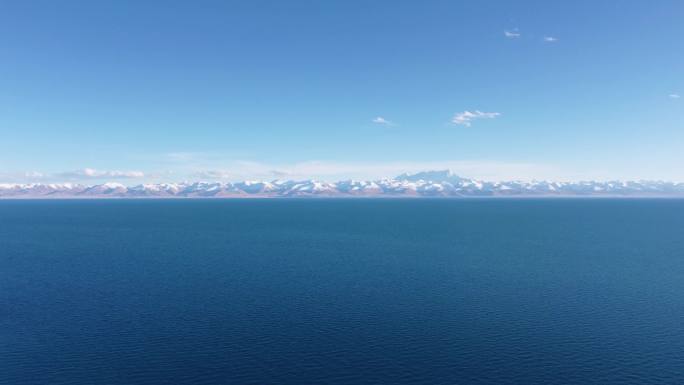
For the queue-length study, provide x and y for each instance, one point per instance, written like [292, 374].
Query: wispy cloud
[34, 175]
[213, 174]
[466, 117]
[512, 34]
[550, 39]
[85, 174]
[675, 96]
[383, 121]
[332, 171]
[90, 173]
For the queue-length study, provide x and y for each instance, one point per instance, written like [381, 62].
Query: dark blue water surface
[425, 291]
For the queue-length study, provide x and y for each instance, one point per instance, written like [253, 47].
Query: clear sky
[224, 90]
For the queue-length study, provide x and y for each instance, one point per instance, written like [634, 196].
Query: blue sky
[226, 90]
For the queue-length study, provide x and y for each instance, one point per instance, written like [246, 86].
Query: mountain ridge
[441, 183]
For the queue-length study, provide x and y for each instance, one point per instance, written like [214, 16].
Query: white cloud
[466, 117]
[332, 171]
[34, 175]
[512, 34]
[213, 174]
[90, 173]
[675, 96]
[76, 175]
[550, 39]
[381, 120]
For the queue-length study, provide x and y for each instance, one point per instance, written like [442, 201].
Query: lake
[342, 291]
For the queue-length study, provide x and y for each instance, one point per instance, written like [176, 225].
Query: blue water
[342, 292]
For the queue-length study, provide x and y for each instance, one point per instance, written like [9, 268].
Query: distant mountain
[423, 184]
[431, 176]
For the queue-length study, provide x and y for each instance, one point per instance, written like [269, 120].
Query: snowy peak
[423, 184]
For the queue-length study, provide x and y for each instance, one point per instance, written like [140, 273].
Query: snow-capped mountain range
[424, 184]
